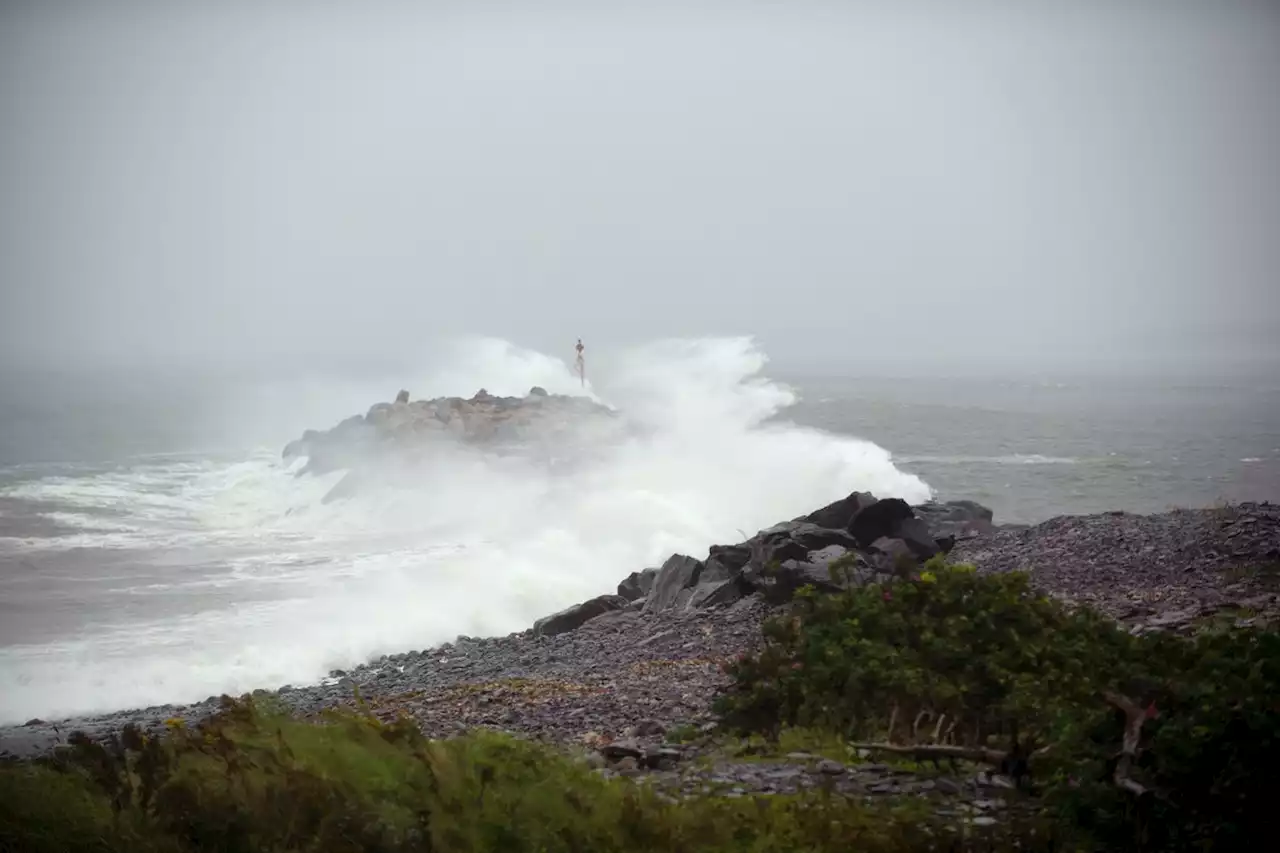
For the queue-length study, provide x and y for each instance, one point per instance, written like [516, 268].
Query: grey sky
[856, 184]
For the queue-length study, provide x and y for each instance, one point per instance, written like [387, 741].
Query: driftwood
[1134, 719]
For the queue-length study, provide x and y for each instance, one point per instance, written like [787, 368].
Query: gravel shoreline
[620, 682]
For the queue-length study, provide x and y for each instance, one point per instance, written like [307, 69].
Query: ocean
[154, 546]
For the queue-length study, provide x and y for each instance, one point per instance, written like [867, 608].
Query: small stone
[622, 749]
[949, 787]
[983, 820]
[799, 756]
[830, 768]
[650, 728]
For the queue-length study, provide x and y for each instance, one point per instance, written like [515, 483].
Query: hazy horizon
[871, 188]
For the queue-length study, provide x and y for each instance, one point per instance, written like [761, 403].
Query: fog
[863, 187]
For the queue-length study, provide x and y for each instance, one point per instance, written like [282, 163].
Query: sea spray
[245, 579]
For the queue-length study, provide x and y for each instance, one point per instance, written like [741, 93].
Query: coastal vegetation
[1104, 738]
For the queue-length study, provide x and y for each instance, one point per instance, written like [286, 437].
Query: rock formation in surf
[857, 539]
[400, 430]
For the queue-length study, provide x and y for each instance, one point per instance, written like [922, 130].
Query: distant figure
[580, 364]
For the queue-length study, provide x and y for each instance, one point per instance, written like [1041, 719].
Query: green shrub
[989, 669]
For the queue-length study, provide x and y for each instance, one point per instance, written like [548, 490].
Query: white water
[277, 588]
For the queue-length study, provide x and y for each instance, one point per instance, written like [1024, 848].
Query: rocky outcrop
[855, 540]
[401, 430]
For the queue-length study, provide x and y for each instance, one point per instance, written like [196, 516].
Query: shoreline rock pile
[872, 539]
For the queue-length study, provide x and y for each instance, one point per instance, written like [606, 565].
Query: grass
[251, 780]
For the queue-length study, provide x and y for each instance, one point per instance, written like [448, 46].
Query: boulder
[839, 515]
[402, 397]
[724, 562]
[780, 582]
[892, 556]
[637, 584]
[720, 593]
[956, 519]
[578, 615]
[879, 520]
[537, 391]
[915, 532]
[793, 540]
[677, 574]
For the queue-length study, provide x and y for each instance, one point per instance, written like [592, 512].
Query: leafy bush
[951, 664]
[250, 780]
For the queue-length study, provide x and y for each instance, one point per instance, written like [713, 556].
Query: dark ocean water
[153, 548]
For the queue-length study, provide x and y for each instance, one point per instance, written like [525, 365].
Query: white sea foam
[476, 545]
[1007, 459]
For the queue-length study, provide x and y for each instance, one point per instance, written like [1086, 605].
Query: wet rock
[637, 584]
[677, 574]
[951, 521]
[828, 767]
[579, 614]
[839, 515]
[915, 533]
[949, 787]
[880, 520]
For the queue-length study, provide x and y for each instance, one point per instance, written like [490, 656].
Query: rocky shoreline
[619, 675]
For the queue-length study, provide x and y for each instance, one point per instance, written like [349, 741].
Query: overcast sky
[855, 183]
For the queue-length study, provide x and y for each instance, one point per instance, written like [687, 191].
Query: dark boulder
[879, 520]
[793, 540]
[402, 397]
[578, 615]
[724, 561]
[892, 556]
[537, 391]
[677, 574]
[839, 515]
[637, 584]
[719, 593]
[780, 582]
[915, 532]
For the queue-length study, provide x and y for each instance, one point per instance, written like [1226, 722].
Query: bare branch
[928, 752]
[915, 727]
[1134, 717]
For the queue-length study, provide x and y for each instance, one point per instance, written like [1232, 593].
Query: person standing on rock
[580, 364]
